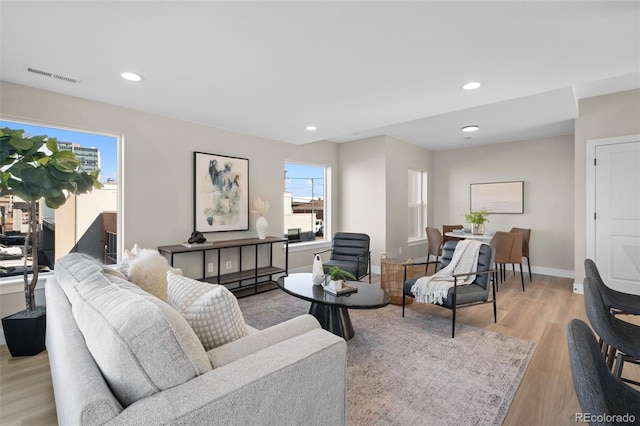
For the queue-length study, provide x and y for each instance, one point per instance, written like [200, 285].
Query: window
[86, 223]
[304, 202]
[417, 204]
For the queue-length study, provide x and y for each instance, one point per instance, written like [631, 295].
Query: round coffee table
[330, 310]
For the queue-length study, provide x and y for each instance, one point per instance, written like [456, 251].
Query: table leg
[335, 319]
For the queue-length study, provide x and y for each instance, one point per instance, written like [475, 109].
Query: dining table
[485, 238]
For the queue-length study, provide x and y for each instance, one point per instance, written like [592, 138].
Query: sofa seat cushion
[141, 345]
[211, 310]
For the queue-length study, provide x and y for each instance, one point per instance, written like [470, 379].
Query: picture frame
[498, 197]
[220, 193]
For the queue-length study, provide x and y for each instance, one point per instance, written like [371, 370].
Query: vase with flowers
[261, 208]
[477, 220]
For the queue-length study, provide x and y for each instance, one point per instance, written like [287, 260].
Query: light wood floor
[540, 314]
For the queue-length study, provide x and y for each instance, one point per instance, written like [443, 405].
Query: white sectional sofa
[119, 355]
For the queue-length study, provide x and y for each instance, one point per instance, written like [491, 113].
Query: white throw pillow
[149, 271]
[211, 310]
[124, 265]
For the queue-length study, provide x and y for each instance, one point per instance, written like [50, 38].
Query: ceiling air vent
[52, 74]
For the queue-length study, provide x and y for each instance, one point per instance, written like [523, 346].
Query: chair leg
[403, 296]
[619, 362]
[529, 266]
[521, 275]
[453, 322]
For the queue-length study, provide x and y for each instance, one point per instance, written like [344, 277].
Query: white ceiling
[353, 69]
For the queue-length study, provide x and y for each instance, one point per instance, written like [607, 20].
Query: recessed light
[472, 128]
[472, 85]
[131, 76]
[311, 128]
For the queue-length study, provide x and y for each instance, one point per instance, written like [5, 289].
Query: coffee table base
[334, 319]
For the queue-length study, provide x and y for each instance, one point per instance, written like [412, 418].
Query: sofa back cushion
[141, 345]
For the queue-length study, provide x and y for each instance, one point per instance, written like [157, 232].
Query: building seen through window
[304, 202]
[86, 223]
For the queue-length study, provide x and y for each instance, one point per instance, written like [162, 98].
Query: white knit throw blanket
[434, 288]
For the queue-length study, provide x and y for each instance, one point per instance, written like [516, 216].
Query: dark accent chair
[350, 252]
[598, 391]
[623, 336]
[467, 295]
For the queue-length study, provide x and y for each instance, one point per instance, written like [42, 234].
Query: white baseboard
[578, 288]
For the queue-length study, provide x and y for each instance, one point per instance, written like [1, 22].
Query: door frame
[592, 144]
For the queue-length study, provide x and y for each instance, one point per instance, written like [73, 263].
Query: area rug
[409, 371]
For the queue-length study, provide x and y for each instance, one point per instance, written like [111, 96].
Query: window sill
[416, 241]
[309, 246]
[15, 284]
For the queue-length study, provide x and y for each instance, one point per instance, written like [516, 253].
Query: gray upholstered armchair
[462, 296]
[350, 252]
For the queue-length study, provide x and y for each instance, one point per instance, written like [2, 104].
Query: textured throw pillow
[210, 309]
[149, 271]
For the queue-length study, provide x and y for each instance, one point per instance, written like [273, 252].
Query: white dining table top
[468, 235]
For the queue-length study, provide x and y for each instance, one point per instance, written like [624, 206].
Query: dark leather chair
[350, 252]
[599, 392]
[467, 295]
[623, 336]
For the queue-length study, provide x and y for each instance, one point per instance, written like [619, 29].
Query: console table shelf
[253, 272]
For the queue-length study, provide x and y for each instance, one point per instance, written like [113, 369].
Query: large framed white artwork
[221, 193]
[498, 197]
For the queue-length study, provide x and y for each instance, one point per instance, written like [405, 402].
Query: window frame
[326, 241]
[421, 205]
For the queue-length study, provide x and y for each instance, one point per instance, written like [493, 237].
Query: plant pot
[477, 228]
[335, 285]
[24, 332]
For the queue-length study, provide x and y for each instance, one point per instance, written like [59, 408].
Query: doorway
[613, 210]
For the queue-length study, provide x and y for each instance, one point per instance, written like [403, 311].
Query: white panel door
[617, 224]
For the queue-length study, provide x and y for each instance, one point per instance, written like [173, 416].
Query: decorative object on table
[343, 289]
[221, 193]
[317, 273]
[197, 240]
[337, 278]
[393, 273]
[477, 219]
[33, 168]
[261, 208]
[498, 197]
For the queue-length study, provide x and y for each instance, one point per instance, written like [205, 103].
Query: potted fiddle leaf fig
[32, 168]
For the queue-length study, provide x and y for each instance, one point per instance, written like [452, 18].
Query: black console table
[254, 272]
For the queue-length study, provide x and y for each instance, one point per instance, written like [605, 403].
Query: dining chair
[434, 244]
[450, 228]
[508, 247]
[526, 236]
[598, 390]
[621, 335]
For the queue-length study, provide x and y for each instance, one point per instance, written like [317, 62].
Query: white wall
[545, 166]
[617, 114]
[374, 192]
[157, 182]
[362, 190]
